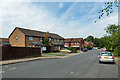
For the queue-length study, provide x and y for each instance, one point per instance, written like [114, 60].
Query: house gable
[17, 38]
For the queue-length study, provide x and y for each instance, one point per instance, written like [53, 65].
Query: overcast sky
[68, 19]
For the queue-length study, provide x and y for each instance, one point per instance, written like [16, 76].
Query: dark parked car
[84, 49]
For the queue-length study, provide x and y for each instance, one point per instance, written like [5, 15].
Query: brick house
[21, 37]
[4, 42]
[85, 43]
[88, 43]
[74, 42]
[91, 44]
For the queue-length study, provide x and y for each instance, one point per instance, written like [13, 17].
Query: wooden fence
[9, 53]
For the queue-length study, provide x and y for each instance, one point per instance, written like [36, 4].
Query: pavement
[84, 65]
[35, 58]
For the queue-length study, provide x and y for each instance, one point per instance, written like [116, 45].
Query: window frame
[58, 40]
[54, 40]
[16, 38]
[30, 38]
[49, 39]
[40, 39]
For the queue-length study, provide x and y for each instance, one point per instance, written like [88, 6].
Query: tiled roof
[73, 39]
[29, 32]
[90, 42]
[4, 39]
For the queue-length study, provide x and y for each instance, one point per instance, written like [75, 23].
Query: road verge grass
[52, 54]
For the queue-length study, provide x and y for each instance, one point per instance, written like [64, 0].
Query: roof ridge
[25, 31]
[35, 30]
[30, 29]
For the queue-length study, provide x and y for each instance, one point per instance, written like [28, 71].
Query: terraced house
[74, 42]
[21, 37]
[86, 43]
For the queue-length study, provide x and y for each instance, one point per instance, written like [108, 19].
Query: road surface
[84, 65]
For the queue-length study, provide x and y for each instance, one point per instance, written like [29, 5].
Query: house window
[76, 43]
[61, 40]
[16, 38]
[30, 38]
[49, 39]
[58, 40]
[54, 39]
[56, 48]
[71, 43]
[41, 39]
[65, 43]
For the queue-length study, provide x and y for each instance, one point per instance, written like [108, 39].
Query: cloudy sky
[68, 19]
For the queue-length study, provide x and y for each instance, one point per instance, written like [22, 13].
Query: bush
[109, 48]
[56, 51]
[116, 51]
[89, 47]
[73, 49]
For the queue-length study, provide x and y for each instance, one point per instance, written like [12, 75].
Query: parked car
[104, 49]
[94, 48]
[84, 49]
[106, 57]
[65, 51]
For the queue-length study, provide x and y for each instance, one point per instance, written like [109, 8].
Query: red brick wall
[80, 44]
[29, 43]
[20, 42]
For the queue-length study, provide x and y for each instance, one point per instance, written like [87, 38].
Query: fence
[19, 52]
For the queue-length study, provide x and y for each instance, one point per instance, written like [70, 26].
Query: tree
[112, 30]
[46, 42]
[108, 8]
[89, 47]
[89, 38]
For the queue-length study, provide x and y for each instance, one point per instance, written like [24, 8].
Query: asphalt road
[84, 65]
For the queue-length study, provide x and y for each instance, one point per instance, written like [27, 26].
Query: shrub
[108, 48]
[56, 51]
[73, 49]
[89, 47]
[117, 51]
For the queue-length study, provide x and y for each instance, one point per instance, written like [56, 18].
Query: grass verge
[52, 54]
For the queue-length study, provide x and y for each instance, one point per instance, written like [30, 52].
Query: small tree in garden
[89, 47]
[46, 42]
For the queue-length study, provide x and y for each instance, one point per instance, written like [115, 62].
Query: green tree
[108, 9]
[89, 38]
[112, 30]
[114, 38]
[89, 47]
[46, 42]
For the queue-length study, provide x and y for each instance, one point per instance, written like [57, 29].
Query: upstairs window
[49, 39]
[54, 39]
[41, 39]
[61, 40]
[30, 38]
[57, 40]
[16, 38]
[76, 43]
